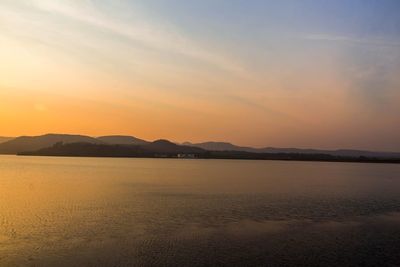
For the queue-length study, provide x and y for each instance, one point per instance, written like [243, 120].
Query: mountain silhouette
[224, 146]
[121, 140]
[221, 146]
[165, 146]
[32, 143]
[5, 139]
[167, 149]
[36, 143]
[159, 148]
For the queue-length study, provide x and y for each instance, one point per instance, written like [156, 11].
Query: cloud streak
[148, 33]
[350, 40]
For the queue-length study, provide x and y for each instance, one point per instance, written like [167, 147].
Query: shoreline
[270, 158]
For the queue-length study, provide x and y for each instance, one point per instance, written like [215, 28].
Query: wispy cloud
[350, 40]
[142, 30]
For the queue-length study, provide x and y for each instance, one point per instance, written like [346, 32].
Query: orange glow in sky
[97, 68]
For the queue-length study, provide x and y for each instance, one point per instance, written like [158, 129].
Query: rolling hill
[35, 143]
[221, 146]
[159, 148]
[122, 140]
[5, 139]
[167, 149]
[32, 143]
[224, 146]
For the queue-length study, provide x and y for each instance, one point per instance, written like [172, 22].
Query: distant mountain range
[167, 149]
[122, 140]
[130, 144]
[223, 146]
[5, 139]
[159, 148]
[32, 143]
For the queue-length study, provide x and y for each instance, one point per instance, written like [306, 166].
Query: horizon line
[201, 142]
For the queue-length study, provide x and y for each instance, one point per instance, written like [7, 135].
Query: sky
[285, 73]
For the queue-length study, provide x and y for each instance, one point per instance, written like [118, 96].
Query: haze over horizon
[316, 74]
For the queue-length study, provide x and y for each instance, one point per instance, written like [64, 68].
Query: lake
[171, 212]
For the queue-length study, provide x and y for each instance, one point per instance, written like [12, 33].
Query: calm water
[165, 212]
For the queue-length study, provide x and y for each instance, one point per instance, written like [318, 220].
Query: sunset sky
[287, 73]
